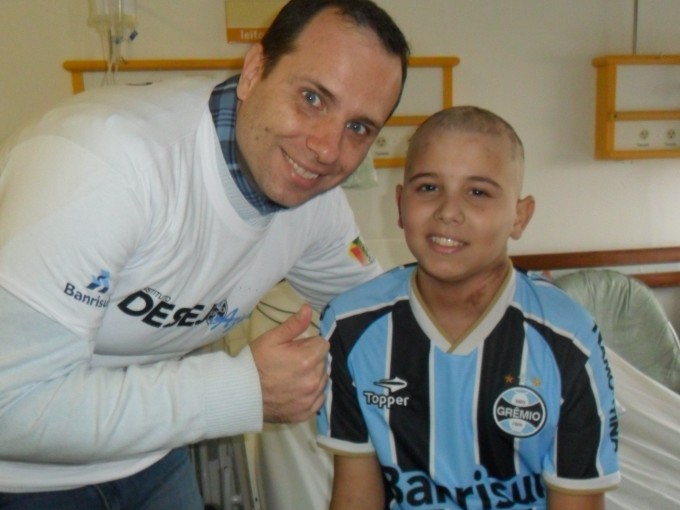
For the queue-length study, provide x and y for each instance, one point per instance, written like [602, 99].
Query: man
[140, 223]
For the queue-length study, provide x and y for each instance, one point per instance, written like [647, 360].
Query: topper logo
[388, 400]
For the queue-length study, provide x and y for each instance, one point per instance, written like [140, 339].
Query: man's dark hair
[282, 34]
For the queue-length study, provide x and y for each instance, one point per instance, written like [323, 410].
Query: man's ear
[251, 73]
[524, 212]
[397, 195]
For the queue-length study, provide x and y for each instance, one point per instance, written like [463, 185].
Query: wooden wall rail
[77, 68]
[610, 259]
[445, 64]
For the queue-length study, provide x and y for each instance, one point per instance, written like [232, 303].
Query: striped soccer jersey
[525, 401]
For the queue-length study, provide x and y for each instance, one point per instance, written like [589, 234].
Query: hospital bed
[283, 469]
[644, 355]
[289, 472]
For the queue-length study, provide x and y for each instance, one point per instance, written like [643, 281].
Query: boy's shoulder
[392, 285]
[540, 296]
[541, 285]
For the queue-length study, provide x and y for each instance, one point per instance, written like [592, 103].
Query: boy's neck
[457, 307]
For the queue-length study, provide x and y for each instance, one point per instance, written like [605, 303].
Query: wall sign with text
[247, 20]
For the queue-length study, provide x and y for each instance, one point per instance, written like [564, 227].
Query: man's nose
[325, 140]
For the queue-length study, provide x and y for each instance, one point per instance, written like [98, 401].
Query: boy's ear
[251, 73]
[524, 212]
[397, 195]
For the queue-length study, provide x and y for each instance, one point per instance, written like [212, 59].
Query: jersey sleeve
[55, 407]
[340, 423]
[588, 418]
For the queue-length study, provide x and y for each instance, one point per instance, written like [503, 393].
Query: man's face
[308, 125]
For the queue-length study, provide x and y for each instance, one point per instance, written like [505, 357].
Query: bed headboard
[656, 267]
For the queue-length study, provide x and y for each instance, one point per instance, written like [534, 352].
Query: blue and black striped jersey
[524, 401]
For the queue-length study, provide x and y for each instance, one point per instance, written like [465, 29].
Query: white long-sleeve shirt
[119, 254]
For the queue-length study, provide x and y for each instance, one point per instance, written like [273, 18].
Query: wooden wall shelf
[608, 113]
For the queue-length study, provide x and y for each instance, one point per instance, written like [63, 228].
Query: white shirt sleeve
[338, 259]
[56, 407]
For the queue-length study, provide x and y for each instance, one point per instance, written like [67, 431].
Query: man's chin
[291, 200]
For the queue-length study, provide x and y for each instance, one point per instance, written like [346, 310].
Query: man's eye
[358, 128]
[312, 97]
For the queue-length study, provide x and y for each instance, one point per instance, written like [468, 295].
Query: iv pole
[635, 25]
[112, 18]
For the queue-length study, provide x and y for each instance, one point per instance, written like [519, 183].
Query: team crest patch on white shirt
[358, 251]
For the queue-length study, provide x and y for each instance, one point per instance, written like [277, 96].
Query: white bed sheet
[649, 441]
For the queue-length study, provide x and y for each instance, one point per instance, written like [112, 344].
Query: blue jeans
[169, 484]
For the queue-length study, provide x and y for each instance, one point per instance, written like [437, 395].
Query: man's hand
[292, 370]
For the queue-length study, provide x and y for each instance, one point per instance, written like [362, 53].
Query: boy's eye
[358, 128]
[312, 97]
[427, 187]
[478, 192]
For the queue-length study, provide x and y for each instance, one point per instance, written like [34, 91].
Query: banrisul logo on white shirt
[159, 310]
[100, 283]
[93, 293]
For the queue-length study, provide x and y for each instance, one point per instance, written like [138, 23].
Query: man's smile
[301, 171]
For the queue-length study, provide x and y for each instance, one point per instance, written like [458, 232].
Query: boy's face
[459, 205]
[308, 125]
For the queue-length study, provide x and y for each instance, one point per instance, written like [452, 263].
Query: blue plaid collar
[222, 106]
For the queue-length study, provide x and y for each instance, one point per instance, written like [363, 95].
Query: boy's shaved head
[470, 120]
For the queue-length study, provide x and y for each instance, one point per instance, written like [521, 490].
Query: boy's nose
[450, 211]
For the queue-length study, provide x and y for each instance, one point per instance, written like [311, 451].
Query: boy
[459, 381]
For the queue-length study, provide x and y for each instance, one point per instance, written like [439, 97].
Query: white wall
[38, 35]
[528, 60]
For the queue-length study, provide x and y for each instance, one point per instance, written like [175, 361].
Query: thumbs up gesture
[292, 370]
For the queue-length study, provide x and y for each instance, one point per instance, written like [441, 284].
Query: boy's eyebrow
[410, 176]
[474, 178]
[486, 180]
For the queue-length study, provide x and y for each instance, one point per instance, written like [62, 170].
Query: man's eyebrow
[370, 122]
[421, 175]
[333, 99]
[324, 91]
